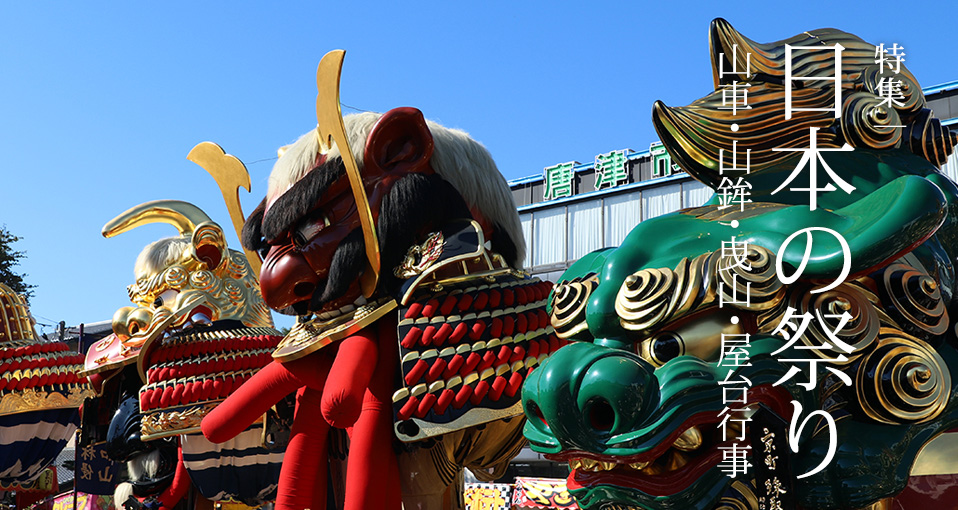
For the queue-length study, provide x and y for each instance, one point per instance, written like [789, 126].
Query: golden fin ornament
[230, 175]
[330, 130]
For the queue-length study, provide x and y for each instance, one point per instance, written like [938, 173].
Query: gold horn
[230, 175]
[330, 129]
[182, 215]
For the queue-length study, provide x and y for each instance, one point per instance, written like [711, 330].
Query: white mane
[159, 255]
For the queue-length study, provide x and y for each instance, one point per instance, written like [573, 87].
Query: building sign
[611, 169]
[487, 496]
[541, 493]
[558, 180]
[662, 165]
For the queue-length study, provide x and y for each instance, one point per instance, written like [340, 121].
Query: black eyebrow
[252, 238]
[301, 198]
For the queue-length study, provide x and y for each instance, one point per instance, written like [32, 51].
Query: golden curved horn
[230, 175]
[182, 215]
[330, 129]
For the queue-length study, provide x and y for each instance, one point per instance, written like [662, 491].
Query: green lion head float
[636, 403]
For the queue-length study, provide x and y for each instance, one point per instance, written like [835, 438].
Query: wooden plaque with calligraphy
[771, 461]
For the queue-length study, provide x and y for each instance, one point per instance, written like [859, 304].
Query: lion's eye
[663, 347]
[166, 298]
[700, 337]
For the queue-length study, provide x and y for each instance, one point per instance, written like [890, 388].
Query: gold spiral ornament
[569, 301]
[239, 266]
[867, 122]
[643, 299]
[750, 274]
[137, 289]
[175, 277]
[234, 293]
[205, 281]
[903, 380]
[651, 297]
[916, 298]
[926, 137]
[911, 100]
[827, 308]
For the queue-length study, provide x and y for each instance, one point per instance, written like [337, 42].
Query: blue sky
[100, 103]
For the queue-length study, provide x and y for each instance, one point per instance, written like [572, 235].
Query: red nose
[286, 277]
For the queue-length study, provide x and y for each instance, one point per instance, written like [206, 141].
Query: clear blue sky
[100, 103]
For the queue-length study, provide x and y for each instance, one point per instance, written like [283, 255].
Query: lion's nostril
[601, 415]
[304, 289]
[531, 407]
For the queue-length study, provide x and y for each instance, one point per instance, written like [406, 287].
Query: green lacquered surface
[901, 206]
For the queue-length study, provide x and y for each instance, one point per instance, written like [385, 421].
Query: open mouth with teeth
[198, 316]
[672, 461]
[672, 466]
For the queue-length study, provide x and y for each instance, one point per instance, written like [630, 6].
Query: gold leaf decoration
[903, 380]
[741, 497]
[420, 257]
[35, 400]
[866, 123]
[204, 280]
[162, 424]
[652, 296]
[912, 99]
[569, 301]
[927, 138]
[915, 300]
[860, 331]
[175, 276]
[753, 277]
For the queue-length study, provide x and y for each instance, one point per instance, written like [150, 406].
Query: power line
[274, 158]
[35, 316]
[344, 105]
